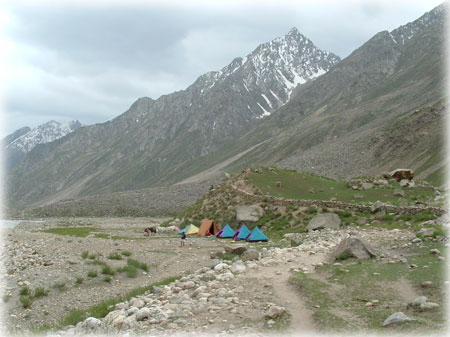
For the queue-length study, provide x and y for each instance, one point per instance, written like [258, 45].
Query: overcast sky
[90, 60]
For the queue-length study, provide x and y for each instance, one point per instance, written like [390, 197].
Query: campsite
[277, 271]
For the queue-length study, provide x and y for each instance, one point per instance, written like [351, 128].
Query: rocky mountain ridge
[155, 138]
[23, 140]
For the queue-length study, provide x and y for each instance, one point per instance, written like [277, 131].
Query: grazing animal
[149, 230]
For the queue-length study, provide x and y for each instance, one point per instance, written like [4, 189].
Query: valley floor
[317, 296]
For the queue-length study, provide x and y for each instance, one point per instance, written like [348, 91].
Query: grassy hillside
[307, 186]
[280, 218]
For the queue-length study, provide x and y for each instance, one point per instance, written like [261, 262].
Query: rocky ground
[249, 295]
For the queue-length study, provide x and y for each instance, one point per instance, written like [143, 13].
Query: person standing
[183, 239]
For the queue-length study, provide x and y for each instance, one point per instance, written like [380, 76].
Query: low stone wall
[411, 210]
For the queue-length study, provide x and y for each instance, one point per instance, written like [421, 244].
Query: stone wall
[411, 210]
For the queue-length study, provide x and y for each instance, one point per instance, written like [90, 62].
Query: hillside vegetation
[287, 214]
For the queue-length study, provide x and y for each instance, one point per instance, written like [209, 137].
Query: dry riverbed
[212, 296]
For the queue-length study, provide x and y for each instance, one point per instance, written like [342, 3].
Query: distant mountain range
[287, 104]
[22, 141]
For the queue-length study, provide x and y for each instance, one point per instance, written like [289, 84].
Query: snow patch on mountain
[272, 71]
[44, 133]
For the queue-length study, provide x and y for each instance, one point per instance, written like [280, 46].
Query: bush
[126, 253]
[38, 292]
[344, 256]
[26, 301]
[25, 291]
[137, 264]
[107, 279]
[79, 280]
[92, 273]
[85, 255]
[115, 256]
[106, 270]
[312, 210]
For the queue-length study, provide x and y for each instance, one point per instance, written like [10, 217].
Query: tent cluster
[209, 227]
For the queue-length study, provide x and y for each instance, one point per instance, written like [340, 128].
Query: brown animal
[149, 230]
[400, 174]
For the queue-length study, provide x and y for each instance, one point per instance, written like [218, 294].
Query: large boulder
[376, 206]
[250, 255]
[353, 246]
[251, 213]
[400, 174]
[324, 220]
[235, 249]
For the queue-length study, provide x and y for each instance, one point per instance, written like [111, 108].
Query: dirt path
[301, 319]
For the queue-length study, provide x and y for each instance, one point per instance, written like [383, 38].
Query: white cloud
[91, 61]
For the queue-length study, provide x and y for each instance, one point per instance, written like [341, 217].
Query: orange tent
[208, 226]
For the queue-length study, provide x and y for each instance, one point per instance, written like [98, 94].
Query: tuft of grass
[344, 256]
[107, 279]
[126, 253]
[39, 292]
[79, 280]
[130, 270]
[106, 270]
[115, 256]
[85, 255]
[92, 273]
[25, 301]
[25, 291]
[137, 264]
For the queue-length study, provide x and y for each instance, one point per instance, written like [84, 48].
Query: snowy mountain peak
[272, 71]
[44, 133]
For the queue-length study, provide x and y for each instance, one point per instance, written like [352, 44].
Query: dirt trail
[301, 319]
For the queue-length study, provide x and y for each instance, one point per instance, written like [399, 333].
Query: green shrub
[107, 279]
[79, 280]
[312, 210]
[344, 256]
[115, 256]
[85, 255]
[130, 270]
[38, 292]
[25, 291]
[126, 253]
[26, 301]
[137, 264]
[106, 270]
[92, 273]
[387, 217]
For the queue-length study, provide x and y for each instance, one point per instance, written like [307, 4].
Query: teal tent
[242, 233]
[226, 232]
[256, 235]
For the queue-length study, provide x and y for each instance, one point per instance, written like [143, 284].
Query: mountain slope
[22, 141]
[340, 125]
[155, 139]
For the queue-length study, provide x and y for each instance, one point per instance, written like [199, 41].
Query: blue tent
[256, 235]
[184, 230]
[242, 233]
[226, 232]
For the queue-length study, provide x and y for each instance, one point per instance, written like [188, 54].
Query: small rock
[275, 311]
[428, 305]
[419, 300]
[397, 317]
[435, 251]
